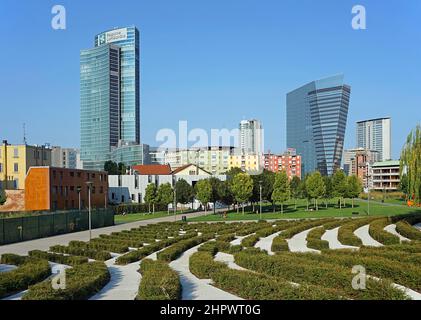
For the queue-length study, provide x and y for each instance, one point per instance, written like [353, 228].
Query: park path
[298, 243]
[391, 228]
[194, 288]
[124, 282]
[365, 237]
[331, 236]
[266, 243]
[22, 248]
[6, 268]
[229, 260]
[418, 226]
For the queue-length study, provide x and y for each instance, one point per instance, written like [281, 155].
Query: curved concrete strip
[298, 243]
[331, 236]
[228, 259]
[266, 243]
[237, 241]
[194, 288]
[414, 295]
[418, 226]
[365, 237]
[391, 228]
[124, 282]
[6, 268]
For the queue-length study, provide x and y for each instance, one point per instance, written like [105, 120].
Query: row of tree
[241, 188]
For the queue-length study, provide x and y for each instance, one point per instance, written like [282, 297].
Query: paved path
[331, 236]
[418, 226]
[194, 288]
[44, 244]
[237, 241]
[298, 243]
[6, 268]
[124, 282]
[391, 228]
[228, 259]
[266, 243]
[365, 237]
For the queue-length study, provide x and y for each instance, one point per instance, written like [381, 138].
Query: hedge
[314, 240]
[82, 282]
[346, 234]
[159, 282]
[408, 231]
[203, 266]
[138, 208]
[173, 252]
[29, 271]
[58, 258]
[279, 244]
[378, 233]
[117, 248]
[291, 267]
[250, 241]
[90, 253]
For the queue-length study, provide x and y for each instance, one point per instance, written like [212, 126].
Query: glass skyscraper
[316, 122]
[110, 95]
[375, 134]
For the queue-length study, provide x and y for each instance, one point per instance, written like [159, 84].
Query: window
[93, 189]
[101, 189]
[16, 167]
[1, 167]
[54, 174]
[72, 174]
[78, 174]
[16, 153]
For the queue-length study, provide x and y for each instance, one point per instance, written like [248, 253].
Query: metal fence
[50, 224]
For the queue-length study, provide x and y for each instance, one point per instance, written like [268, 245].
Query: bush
[203, 266]
[408, 231]
[29, 271]
[279, 244]
[346, 234]
[314, 240]
[174, 251]
[159, 282]
[250, 241]
[58, 258]
[378, 233]
[82, 282]
[3, 197]
[226, 237]
[90, 253]
[103, 246]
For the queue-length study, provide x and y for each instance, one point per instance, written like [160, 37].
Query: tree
[266, 179]
[111, 167]
[315, 187]
[329, 190]
[411, 164]
[294, 186]
[339, 186]
[184, 192]
[216, 194]
[242, 188]
[355, 187]
[281, 189]
[403, 186]
[204, 192]
[151, 196]
[122, 168]
[165, 195]
[225, 193]
[3, 197]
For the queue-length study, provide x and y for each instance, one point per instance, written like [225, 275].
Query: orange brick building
[48, 188]
[289, 162]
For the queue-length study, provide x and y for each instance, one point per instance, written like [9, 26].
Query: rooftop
[153, 169]
[390, 163]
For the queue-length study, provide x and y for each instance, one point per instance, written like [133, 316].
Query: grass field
[376, 209]
[120, 219]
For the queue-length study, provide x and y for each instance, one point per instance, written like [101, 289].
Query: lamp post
[79, 189]
[260, 185]
[368, 188]
[89, 184]
[175, 197]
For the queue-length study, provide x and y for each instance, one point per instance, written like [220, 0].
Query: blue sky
[212, 63]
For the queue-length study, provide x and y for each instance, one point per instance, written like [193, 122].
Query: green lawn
[376, 209]
[120, 219]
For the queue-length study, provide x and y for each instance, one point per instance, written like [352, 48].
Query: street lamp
[368, 188]
[175, 197]
[79, 189]
[260, 185]
[89, 184]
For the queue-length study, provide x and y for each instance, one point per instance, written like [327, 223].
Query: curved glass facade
[316, 123]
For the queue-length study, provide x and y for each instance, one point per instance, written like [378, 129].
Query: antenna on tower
[24, 133]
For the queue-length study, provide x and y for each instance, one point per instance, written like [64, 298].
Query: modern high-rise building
[375, 134]
[316, 122]
[110, 96]
[251, 137]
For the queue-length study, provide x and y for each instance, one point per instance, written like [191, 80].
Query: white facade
[65, 158]
[251, 137]
[376, 135]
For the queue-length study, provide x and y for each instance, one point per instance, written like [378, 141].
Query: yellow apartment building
[246, 162]
[15, 161]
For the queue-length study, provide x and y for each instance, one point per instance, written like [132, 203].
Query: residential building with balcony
[386, 176]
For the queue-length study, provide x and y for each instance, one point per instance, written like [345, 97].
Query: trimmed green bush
[408, 231]
[29, 271]
[378, 233]
[159, 282]
[279, 244]
[90, 253]
[173, 252]
[82, 282]
[58, 258]
[250, 241]
[346, 234]
[314, 240]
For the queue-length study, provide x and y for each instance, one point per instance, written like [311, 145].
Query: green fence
[50, 224]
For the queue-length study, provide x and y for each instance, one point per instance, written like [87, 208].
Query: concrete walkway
[391, 228]
[298, 243]
[228, 259]
[194, 288]
[365, 237]
[124, 282]
[44, 244]
[331, 236]
[266, 243]
[418, 226]
[6, 268]
[414, 295]
[237, 240]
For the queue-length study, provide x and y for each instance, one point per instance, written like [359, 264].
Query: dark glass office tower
[316, 122]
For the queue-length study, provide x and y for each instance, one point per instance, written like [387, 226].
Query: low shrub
[378, 233]
[408, 231]
[58, 258]
[279, 244]
[203, 266]
[250, 241]
[29, 272]
[90, 253]
[82, 282]
[314, 240]
[226, 237]
[346, 234]
[159, 282]
[102, 246]
[173, 252]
